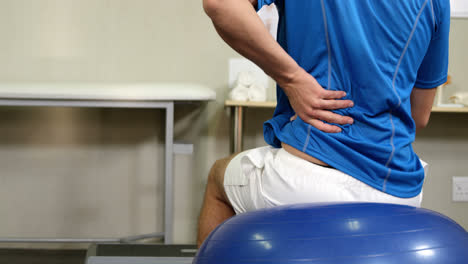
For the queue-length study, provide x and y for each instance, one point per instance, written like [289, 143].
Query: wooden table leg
[237, 117]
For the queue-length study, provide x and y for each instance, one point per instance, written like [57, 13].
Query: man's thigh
[216, 177]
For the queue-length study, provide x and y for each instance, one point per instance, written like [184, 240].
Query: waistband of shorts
[283, 154]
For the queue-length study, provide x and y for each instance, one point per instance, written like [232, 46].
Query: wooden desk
[237, 120]
[111, 95]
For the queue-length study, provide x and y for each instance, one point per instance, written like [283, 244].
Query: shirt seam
[384, 186]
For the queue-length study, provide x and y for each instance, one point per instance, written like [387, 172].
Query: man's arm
[421, 106]
[239, 25]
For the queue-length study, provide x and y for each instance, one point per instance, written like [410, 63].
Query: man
[348, 107]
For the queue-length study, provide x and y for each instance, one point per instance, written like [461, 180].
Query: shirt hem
[389, 190]
[430, 85]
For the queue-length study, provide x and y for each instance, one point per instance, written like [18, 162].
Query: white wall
[95, 172]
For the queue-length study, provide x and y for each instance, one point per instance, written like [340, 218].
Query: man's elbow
[421, 123]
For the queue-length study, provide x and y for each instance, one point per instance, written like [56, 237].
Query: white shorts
[267, 177]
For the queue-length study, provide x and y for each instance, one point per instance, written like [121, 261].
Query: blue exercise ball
[354, 233]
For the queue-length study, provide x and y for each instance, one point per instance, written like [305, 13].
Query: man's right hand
[312, 103]
[239, 25]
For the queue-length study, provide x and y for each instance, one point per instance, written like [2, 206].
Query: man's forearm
[239, 25]
[421, 106]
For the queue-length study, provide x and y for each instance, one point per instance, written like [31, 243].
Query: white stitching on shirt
[307, 139]
[384, 187]
[329, 66]
[324, 12]
[433, 15]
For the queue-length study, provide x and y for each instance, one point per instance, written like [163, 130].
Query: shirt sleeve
[261, 3]
[434, 67]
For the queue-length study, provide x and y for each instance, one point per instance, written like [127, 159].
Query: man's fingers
[335, 104]
[329, 94]
[327, 128]
[331, 117]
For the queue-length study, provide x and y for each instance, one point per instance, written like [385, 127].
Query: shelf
[250, 104]
[435, 109]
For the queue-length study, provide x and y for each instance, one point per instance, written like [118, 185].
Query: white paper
[459, 8]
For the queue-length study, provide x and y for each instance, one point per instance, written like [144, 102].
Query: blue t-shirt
[376, 51]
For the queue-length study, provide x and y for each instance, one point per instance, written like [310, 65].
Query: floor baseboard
[39, 256]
